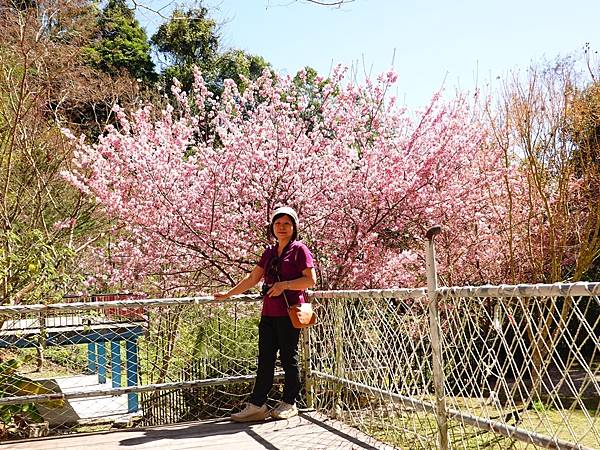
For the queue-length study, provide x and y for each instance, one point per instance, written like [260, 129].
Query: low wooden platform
[310, 430]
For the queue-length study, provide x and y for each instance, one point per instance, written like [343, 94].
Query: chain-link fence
[520, 364]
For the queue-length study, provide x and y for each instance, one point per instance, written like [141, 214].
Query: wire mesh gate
[519, 366]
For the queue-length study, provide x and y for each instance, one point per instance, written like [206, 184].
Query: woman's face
[283, 228]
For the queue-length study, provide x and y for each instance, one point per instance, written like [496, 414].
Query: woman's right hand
[221, 295]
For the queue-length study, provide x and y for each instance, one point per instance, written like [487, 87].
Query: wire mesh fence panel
[373, 353]
[527, 360]
[521, 365]
[186, 344]
[57, 353]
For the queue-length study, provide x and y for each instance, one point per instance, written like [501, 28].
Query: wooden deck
[310, 430]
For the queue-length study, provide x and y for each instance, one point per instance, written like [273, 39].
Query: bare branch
[330, 3]
[140, 5]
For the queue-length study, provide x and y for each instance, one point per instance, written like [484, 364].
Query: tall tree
[583, 128]
[549, 117]
[121, 44]
[191, 39]
[236, 65]
[44, 85]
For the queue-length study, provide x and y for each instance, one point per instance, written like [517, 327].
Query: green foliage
[190, 38]
[220, 336]
[71, 357]
[122, 44]
[193, 339]
[539, 406]
[31, 266]
[43, 84]
[238, 66]
[312, 90]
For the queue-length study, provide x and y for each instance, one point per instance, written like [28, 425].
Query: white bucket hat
[288, 212]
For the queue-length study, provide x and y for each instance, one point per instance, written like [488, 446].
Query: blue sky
[456, 44]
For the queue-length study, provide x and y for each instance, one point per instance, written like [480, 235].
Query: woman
[286, 266]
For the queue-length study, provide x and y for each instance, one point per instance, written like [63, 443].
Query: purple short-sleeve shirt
[294, 259]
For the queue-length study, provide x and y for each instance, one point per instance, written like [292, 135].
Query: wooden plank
[310, 430]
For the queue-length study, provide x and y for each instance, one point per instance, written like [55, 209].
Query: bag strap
[279, 270]
[283, 292]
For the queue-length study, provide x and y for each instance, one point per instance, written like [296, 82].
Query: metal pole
[308, 381]
[101, 349]
[436, 342]
[338, 349]
[92, 358]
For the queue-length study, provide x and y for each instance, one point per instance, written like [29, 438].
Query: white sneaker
[251, 413]
[284, 411]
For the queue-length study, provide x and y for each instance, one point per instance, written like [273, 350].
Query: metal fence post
[308, 381]
[436, 342]
[338, 348]
[132, 363]
[92, 358]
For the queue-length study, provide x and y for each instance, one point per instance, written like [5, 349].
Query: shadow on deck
[310, 430]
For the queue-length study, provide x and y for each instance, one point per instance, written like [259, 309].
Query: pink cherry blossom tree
[190, 188]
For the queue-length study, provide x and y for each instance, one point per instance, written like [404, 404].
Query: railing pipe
[73, 395]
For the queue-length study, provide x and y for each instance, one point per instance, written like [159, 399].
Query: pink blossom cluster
[192, 186]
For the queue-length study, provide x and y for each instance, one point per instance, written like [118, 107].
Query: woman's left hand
[277, 288]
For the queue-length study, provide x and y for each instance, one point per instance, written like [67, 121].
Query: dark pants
[276, 333]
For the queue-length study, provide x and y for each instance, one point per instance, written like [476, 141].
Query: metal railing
[462, 367]
[518, 363]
